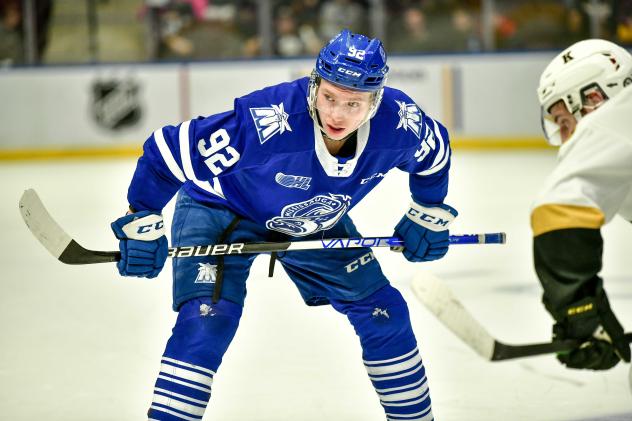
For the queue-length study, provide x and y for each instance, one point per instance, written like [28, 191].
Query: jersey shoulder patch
[402, 113]
[274, 109]
[410, 118]
[270, 121]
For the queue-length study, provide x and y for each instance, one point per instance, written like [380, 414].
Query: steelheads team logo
[409, 117]
[115, 103]
[270, 121]
[316, 214]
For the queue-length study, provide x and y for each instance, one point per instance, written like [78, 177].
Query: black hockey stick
[68, 251]
[440, 300]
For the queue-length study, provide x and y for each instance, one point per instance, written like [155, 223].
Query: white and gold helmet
[580, 69]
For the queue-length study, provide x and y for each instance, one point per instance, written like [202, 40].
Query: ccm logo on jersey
[360, 261]
[376, 175]
[348, 72]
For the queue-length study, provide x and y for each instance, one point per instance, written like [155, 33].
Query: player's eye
[329, 98]
[353, 104]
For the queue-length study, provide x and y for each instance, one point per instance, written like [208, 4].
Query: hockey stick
[440, 300]
[68, 251]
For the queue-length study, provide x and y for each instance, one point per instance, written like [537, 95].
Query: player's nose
[337, 114]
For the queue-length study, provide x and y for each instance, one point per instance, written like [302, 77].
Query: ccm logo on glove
[147, 228]
[435, 218]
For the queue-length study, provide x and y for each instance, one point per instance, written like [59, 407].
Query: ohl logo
[270, 121]
[293, 181]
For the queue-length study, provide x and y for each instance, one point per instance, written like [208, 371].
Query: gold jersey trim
[552, 217]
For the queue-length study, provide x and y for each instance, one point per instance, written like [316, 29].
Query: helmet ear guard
[585, 67]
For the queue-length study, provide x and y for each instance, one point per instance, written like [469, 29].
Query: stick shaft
[75, 254]
[67, 250]
[327, 243]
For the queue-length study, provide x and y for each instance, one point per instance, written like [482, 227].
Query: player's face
[564, 120]
[591, 100]
[341, 110]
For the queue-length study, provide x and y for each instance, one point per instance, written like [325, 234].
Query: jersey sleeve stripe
[442, 149]
[443, 156]
[167, 156]
[185, 155]
[552, 217]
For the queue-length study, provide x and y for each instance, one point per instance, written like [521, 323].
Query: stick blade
[440, 300]
[42, 225]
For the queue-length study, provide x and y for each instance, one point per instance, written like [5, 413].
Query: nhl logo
[115, 103]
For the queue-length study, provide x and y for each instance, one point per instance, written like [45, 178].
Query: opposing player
[290, 161]
[586, 102]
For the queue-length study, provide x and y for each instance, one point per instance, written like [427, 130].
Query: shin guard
[390, 353]
[193, 354]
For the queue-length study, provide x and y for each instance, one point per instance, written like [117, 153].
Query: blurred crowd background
[34, 32]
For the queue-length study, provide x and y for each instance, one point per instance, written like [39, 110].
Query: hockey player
[586, 102]
[288, 162]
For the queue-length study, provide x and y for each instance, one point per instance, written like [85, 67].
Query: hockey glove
[591, 321]
[424, 229]
[142, 243]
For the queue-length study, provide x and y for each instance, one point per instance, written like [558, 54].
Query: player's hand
[603, 341]
[142, 243]
[424, 229]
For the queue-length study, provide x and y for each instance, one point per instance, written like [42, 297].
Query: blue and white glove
[142, 243]
[424, 229]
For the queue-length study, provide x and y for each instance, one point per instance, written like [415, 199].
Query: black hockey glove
[603, 341]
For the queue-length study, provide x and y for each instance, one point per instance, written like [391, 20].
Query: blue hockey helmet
[352, 61]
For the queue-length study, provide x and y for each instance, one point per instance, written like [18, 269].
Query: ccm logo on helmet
[349, 72]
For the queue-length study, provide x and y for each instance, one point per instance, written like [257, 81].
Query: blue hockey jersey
[266, 160]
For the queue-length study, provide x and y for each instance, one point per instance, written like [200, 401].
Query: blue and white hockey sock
[390, 354]
[402, 386]
[193, 354]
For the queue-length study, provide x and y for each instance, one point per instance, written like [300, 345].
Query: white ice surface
[81, 343]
